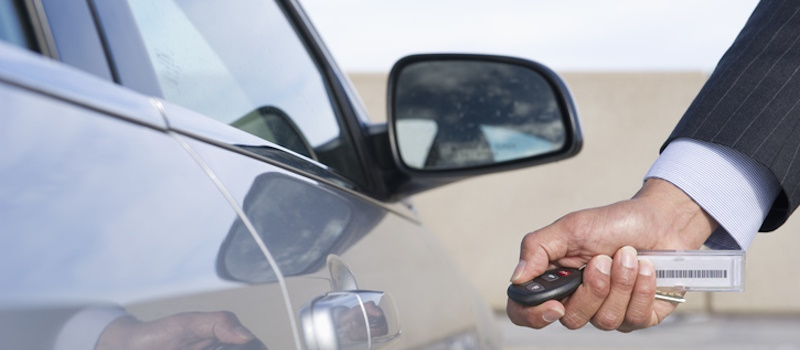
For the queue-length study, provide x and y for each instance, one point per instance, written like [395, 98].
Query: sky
[566, 35]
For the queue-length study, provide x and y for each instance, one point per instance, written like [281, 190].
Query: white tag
[697, 270]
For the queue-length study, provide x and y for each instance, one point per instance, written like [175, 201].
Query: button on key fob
[555, 284]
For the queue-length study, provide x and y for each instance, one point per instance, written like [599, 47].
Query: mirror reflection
[463, 113]
[278, 204]
[301, 222]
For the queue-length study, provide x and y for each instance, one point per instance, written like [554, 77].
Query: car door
[326, 239]
[261, 110]
[107, 219]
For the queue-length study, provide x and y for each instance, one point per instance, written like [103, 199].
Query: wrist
[683, 223]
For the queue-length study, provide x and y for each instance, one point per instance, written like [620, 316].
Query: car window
[242, 63]
[14, 26]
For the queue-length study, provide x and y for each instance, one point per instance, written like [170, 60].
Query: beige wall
[625, 118]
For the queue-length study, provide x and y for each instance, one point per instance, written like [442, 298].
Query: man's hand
[616, 293]
[189, 330]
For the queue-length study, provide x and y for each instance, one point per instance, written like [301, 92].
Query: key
[555, 284]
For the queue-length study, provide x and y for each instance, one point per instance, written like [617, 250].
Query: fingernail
[603, 264]
[646, 268]
[629, 257]
[552, 315]
[243, 333]
[518, 271]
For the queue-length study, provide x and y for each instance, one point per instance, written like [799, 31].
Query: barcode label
[697, 270]
[691, 273]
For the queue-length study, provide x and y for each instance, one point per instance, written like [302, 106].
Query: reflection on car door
[306, 222]
[104, 213]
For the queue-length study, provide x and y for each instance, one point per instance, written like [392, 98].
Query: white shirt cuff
[734, 189]
[85, 327]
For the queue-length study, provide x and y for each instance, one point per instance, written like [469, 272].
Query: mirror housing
[451, 116]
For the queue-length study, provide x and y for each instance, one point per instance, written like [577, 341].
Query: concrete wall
[625, 117]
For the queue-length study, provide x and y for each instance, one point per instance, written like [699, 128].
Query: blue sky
[577, 35]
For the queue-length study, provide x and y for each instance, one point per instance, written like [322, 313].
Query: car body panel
[111, 214]
[385, 251]
[30, 71]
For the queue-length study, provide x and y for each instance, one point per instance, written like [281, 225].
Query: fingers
[590, 295]
[226, 328]
[616, 294]
[221, 326]
[623, 278]
[187, 330]
[641, 308]
[538, 316]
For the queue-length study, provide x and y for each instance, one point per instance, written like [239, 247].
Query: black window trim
[42, 34]
[331, 77]
[334, 78]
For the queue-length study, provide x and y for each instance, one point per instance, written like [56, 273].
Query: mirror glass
[457, 114]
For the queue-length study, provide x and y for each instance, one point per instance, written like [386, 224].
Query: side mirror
[452, 116]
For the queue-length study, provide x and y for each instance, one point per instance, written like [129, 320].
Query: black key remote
[555, 284]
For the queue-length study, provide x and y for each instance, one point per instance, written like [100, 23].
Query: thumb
[538, 249]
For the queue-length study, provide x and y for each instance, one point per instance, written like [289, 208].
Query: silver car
[183, 174]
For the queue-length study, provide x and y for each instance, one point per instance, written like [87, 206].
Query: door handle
[350, 320]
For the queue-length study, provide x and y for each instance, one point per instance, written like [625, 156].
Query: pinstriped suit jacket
[751, 102]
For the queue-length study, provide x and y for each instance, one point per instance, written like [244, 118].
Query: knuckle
[606, 322]
[645, 290]
[514, 312]
[528, 239]
[624, 281]
[635, 320]
[572, 322]
[598, 287]
[572, 222]
[523, 317]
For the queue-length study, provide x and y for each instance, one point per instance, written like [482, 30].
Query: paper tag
[697, 270]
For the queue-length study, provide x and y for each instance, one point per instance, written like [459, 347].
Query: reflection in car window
[244, 65]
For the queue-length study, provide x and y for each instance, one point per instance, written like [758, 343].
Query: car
[201, 175]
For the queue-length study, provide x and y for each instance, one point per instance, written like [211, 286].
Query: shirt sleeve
[734, 189]
[84, 328]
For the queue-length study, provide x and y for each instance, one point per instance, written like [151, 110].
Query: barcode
[691, 273]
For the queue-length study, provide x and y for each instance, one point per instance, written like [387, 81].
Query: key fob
[555, 284]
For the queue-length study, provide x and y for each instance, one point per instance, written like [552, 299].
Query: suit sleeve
[751, 102]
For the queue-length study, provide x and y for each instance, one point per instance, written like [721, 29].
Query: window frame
[137, 73]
